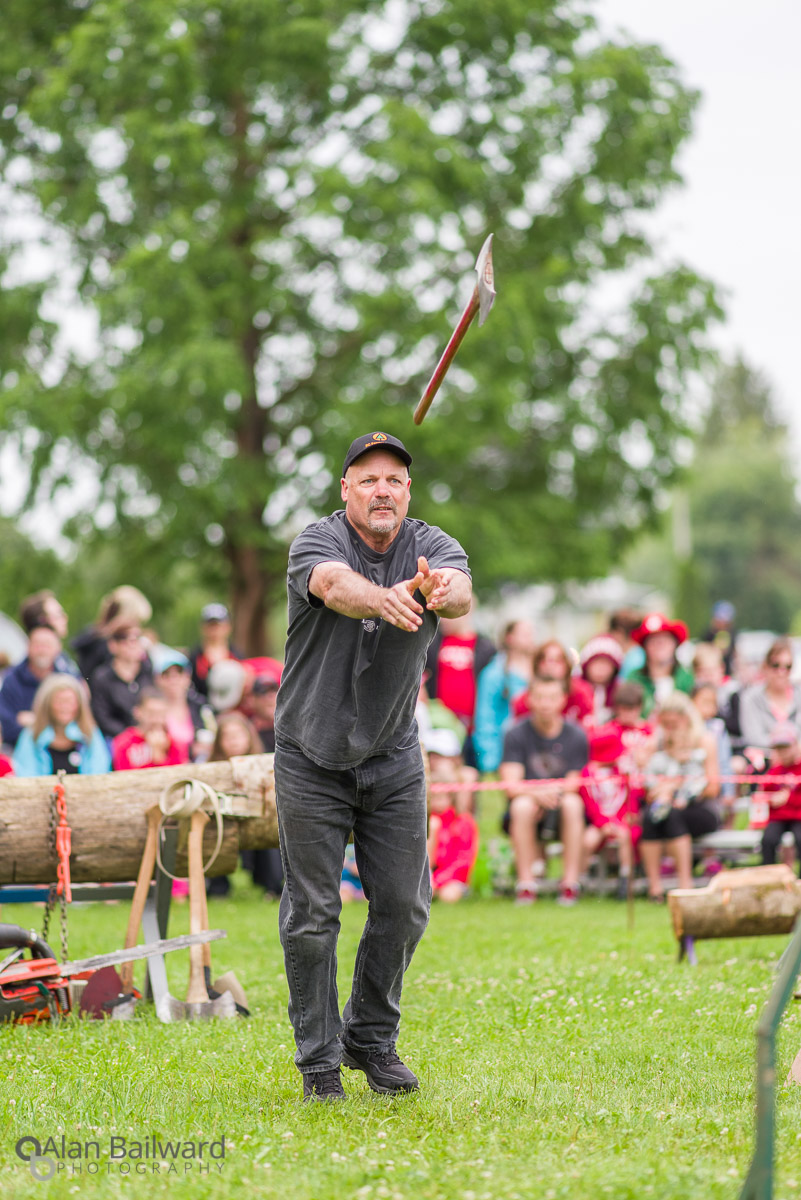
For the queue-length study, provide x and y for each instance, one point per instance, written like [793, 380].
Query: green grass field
[560, 1055]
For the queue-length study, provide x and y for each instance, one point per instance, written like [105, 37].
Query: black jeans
[383, 801]
[771, 839]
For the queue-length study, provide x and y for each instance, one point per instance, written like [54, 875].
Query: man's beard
[383, 521]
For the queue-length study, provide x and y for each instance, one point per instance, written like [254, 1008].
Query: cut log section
[742, 903]
[107, 816]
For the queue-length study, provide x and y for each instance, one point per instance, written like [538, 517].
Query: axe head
[486, 280]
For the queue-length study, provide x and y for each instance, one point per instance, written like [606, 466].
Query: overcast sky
[737, 218]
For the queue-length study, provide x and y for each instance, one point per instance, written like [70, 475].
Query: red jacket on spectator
[456, 847]
[6, 766]
[609, 797]
[130, 752]
[791, 809]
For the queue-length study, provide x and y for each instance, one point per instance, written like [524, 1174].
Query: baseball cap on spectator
[657, 623]
[603, 645]
[724, 610]
[784, 734]
[226, 684]
[442, 741]
[375, 441]
[606, 745]
[214, 612]
[163, 657]
[264, 684]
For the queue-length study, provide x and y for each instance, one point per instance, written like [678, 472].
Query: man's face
[546, 699]
[785, 756]
[376, 493]
[215, 631]
[43, 649]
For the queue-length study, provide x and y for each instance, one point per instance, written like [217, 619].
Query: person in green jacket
[662, 673]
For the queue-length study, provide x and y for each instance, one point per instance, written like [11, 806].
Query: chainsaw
[37, 989]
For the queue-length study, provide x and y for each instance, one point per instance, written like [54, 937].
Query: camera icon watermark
[41, 1167]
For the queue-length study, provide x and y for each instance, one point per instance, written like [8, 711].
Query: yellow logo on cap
[379, 437]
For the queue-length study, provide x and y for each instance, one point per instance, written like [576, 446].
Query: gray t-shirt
[546, 758]
[349, 686]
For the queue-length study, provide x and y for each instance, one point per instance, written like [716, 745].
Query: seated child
[637, 733]
[147, 743]
[611, 803]
[784, 801]
[452, 831]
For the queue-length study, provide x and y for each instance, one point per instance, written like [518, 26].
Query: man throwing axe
[366, 587]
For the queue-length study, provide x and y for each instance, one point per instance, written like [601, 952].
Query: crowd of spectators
[624, 747]
[628, 744]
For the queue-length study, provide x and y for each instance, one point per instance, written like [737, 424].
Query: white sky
[737, 218]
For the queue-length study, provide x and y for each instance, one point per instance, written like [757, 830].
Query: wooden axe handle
[197, 993]
[448, 355]
[141, 890]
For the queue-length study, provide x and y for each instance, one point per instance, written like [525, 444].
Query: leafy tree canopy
[273, 208]
[744, 511]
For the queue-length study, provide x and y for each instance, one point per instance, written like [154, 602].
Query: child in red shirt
[452, 830]
[784, 801]
[637, 734]
[147, 743]
[611, 803]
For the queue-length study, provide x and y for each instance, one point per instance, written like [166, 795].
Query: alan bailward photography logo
[155, 1154]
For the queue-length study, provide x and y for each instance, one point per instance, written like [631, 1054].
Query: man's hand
[775, 799]
[444, 588]
[399, 606]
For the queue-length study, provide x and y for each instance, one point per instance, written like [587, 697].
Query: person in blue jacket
[63, 735]
[504, 678]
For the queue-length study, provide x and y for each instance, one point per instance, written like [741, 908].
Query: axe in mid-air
[480, 302]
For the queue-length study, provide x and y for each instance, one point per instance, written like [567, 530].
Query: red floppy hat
[657, 623]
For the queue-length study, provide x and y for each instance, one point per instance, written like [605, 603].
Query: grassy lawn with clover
[560, 1054]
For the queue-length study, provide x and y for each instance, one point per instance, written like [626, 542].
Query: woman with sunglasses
[774, 701]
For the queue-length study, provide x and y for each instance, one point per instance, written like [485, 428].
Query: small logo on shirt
[369, 625]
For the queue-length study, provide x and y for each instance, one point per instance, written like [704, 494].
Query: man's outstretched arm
[347, 592]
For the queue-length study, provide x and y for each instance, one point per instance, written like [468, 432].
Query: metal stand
[156, 916]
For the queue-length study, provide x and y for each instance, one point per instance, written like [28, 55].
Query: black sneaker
[323, 1085]
[384, 1070]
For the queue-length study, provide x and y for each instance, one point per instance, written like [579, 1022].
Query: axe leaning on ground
[480, 302]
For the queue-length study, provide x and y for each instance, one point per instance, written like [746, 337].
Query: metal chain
[52, 894]
[65, 957]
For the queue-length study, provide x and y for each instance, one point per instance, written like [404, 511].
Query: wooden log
[742, 903]
[106, 814]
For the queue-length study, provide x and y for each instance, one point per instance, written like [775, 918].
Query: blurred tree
[271, 209]
[744, 514]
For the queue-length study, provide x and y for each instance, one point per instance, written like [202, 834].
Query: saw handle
[13, 937]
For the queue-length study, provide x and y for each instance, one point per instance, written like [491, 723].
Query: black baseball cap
[376, 441]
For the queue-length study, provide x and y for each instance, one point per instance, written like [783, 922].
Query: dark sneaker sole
[382, 1089]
